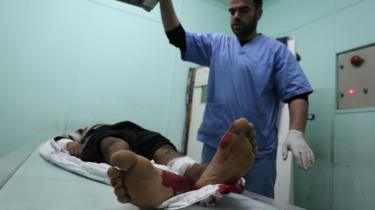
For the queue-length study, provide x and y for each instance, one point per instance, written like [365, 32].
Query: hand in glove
[301, 151]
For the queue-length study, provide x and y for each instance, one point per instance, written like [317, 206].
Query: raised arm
[172, 26]
[168, 15]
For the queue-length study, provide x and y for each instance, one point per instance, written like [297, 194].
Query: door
[198, 103]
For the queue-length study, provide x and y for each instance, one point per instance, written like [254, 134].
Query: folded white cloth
[206, 196]
[55, 154]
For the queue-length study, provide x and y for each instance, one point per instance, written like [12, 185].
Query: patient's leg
[146, 186]
[141, 183]
[163, 155]
[234, 156]
[167, 155]
[111, 145]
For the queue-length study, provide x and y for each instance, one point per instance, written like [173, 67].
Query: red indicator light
[357, 61]
[352, 91]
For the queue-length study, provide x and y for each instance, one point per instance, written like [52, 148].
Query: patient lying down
[128, 148]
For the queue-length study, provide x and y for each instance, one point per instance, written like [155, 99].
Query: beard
[243, 30]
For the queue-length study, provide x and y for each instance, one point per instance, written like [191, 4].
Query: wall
[324, 28]
[66, 64]
[73, 63]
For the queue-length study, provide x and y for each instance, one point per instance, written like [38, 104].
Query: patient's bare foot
[234, 156]
[142, 184]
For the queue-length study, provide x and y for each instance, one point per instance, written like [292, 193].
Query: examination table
[40, 185]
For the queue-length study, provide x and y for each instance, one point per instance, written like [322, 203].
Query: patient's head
[78, 134]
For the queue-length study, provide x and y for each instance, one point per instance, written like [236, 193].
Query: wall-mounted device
[147, 5]
[356, 78]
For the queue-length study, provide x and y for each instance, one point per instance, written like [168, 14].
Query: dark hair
[258, 3]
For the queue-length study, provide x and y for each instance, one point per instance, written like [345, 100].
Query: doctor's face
[244, 18]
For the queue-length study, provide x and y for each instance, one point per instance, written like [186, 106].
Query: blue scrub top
[245, 81]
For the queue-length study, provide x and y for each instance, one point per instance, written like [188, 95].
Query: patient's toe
[123, 199]
[121, 194]
[113, 173]
[123, 160]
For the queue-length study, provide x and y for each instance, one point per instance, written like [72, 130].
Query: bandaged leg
[234, 157]
[137, 181]
[187, 167]
[181, 164]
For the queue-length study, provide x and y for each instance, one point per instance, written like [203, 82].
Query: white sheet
[206, 196]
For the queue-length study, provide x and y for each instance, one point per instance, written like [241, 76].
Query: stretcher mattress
[40, 185]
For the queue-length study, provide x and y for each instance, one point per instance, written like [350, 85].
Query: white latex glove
[300, 149]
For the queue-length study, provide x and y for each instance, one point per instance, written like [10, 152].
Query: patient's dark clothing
[141, 141]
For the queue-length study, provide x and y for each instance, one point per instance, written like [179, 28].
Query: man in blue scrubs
[249, 75]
